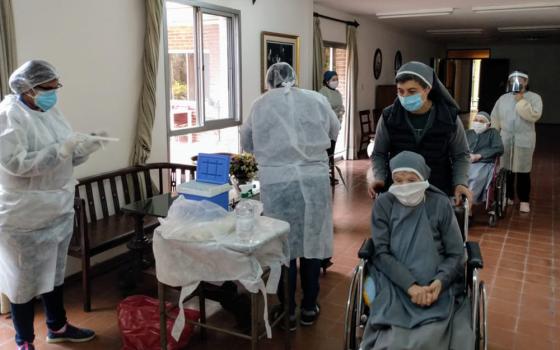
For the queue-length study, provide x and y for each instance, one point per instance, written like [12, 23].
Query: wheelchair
[496, 196]
[357, 311]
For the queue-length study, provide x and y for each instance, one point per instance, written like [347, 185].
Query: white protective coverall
[36, 197]
[516, 123]
[289, 130]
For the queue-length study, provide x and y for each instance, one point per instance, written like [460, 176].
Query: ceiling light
[511, 8]
[529, 29]
[454, 31]
[418, 13]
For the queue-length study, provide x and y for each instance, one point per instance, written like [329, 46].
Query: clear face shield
[517, 82]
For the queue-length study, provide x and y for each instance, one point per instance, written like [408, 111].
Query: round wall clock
[377, 63]
[398, 61]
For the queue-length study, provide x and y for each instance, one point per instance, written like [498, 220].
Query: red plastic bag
[139, 324]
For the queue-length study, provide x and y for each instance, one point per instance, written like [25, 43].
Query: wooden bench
[99, 223]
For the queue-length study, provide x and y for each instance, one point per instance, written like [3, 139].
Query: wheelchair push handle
[366, 250]
[464, 201]
[462, 215]
[474, 255]
[464, 207]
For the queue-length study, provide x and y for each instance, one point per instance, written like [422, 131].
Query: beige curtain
[146, 111]
[318, 55]
[352, 122]
[8, 62]
[8, 58]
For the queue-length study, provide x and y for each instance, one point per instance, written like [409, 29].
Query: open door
[456, 75]
[493, 80]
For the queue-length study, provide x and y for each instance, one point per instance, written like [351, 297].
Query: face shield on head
[517, 82]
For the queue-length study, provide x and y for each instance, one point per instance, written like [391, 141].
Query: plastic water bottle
[244, 220]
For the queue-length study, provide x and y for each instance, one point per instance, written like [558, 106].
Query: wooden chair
[99, 223]
[367, 130]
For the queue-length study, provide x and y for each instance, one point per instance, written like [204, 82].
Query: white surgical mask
[410, 194]
[479, 127]
[333, 84]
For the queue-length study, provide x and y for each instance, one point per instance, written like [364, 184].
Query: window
[203, 78]
[335, 59]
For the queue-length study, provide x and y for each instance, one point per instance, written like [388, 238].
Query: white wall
[541, 61]
[97, 48]
[373, 34]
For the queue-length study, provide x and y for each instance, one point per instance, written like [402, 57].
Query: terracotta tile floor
[522, 273]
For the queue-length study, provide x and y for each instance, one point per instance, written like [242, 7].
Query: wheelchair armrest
[366, 250]
[474, 256]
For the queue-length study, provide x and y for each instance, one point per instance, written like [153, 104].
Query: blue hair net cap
[328, 75]
[31, 74]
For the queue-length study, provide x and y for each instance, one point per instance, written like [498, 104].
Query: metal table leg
[254, 321]
[162, 316]
[254, 337]
[287, 301]
[202, 308]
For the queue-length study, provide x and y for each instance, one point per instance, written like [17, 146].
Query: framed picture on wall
[377, 63]
[276, 47]
[398, 61]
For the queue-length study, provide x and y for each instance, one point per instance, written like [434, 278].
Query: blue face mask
[46, 99]
[411, 103]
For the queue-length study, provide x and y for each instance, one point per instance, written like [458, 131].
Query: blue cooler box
[212, 180]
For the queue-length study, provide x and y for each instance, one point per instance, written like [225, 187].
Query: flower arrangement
[244, 167]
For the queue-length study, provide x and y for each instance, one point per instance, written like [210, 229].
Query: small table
[156, 206]
[193, 263]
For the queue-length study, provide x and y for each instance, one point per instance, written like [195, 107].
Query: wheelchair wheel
[481, 331]
[501, 202]
[352, 318]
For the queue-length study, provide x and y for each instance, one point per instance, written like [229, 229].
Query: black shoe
[308, 317]
[293, 323]
[276, 312]
[71, 334]
[325, 264]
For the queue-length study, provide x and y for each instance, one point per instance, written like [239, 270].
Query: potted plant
[243, 167]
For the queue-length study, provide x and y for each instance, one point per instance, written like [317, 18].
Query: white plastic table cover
[185, 264]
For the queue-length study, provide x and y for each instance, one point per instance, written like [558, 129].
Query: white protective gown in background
[289, 130]
[516, 122]
[36, 199]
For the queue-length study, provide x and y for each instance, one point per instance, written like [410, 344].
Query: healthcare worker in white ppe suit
[38, 151]
[514, 115]
[289, 130]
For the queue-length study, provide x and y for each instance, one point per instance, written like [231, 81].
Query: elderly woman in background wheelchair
[416, 274]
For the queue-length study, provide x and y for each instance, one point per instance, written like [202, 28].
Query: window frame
[234, 67]
[186, 53]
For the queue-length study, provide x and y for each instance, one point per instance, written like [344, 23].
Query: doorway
[335, 59]
[475, 84]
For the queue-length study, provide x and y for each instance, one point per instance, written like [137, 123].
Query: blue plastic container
[212, 168]
[222, 199]
[212, 177]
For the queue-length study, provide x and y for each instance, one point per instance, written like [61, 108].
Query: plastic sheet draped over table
[180, 263]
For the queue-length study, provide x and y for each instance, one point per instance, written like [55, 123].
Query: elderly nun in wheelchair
[417, 297]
